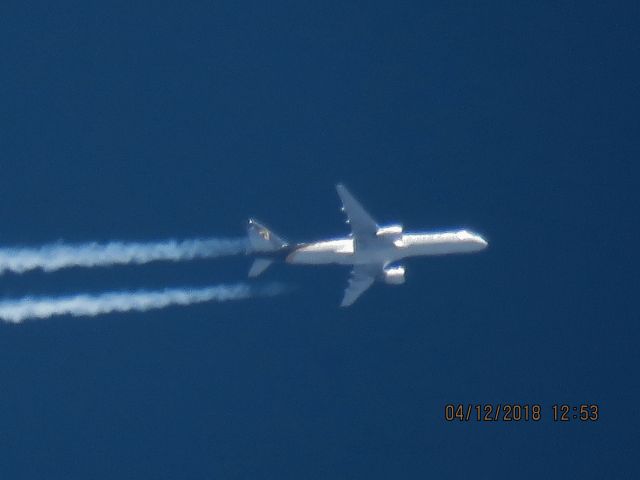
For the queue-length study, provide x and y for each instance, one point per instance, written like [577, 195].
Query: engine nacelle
[392, 232]
[394, 275]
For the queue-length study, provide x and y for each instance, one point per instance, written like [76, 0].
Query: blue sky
[141, 122]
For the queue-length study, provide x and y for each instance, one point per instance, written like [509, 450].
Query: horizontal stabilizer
[259, 265]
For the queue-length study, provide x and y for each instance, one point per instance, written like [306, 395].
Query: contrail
[59, 255]
[16, 311]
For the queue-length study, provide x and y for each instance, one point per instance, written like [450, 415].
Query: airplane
[370, 249]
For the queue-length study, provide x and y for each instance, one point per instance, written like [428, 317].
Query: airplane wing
[363, 227]
[362, 277]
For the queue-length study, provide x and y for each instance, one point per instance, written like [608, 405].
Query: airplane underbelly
[441, 248]
[303, 257]
[306, 256]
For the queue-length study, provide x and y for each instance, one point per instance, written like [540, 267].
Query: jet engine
[392, 232]
[394, 275]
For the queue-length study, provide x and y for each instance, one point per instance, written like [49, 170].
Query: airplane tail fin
[261, 239]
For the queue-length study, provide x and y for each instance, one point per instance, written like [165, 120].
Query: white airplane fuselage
[341, 251]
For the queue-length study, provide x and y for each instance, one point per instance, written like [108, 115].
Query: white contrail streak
[59, 255]
[16, 311]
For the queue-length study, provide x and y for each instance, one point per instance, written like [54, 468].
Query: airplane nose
[481, 242]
